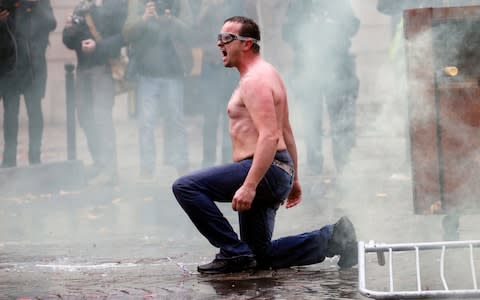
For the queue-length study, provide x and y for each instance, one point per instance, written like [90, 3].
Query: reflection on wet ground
[163, 277]
[123, 242]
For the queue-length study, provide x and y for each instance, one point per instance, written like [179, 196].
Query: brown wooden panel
[444, 111]
[462, 13]
[460, 136]
[422, 113]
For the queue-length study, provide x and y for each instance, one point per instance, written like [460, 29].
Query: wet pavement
[132, 241]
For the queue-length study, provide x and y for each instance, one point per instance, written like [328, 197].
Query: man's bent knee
[181, 187]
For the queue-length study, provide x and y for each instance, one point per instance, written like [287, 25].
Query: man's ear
[248, 44]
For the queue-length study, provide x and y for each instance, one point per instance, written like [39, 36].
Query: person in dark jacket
[157, 32]
[94, 32]
[33, 21]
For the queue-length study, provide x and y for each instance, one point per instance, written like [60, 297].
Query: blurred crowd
[154, 48]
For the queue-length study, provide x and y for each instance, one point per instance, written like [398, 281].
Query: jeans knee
[181, 187]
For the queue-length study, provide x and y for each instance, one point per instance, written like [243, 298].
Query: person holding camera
[94, 32]
[30, 23]
[157, 33]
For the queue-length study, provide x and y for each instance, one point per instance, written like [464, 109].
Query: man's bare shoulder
[261, 75]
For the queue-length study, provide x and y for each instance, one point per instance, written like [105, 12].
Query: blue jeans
[163, 95]
[197, 193]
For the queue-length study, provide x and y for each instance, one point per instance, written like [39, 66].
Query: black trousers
[11, 106]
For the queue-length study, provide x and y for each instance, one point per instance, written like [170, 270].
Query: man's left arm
[45, 11]
[295, 195]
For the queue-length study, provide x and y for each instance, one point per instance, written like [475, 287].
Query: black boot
[231, 265]
[344, 243]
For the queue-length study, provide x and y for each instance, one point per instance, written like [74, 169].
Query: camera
[82, 8]
[162, 5]
[9, 5]
[78, 20]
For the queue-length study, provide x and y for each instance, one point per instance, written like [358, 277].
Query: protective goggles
[228, 37]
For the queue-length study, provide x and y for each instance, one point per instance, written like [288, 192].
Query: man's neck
[248, 61]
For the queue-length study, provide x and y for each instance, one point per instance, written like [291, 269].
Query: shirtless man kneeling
[262, 177]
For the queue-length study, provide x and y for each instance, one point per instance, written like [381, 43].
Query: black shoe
[344, 243]
[231, 265]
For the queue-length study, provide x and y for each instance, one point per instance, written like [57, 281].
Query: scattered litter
[400, 177]
[63, 193]
[93, 217]
[181, 266]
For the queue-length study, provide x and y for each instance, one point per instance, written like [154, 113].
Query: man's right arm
[45, 12]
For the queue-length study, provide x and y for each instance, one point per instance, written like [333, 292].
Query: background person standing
[157, 32]
[31, 23]
[94, 31]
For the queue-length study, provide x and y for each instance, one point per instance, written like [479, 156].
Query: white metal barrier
[420, 292]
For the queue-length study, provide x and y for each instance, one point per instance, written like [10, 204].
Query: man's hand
[150, 11]
[295, 195]
[4, 15]
[89, 46]
[243, 198]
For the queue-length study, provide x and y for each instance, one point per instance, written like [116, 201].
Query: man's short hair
[249, 29]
